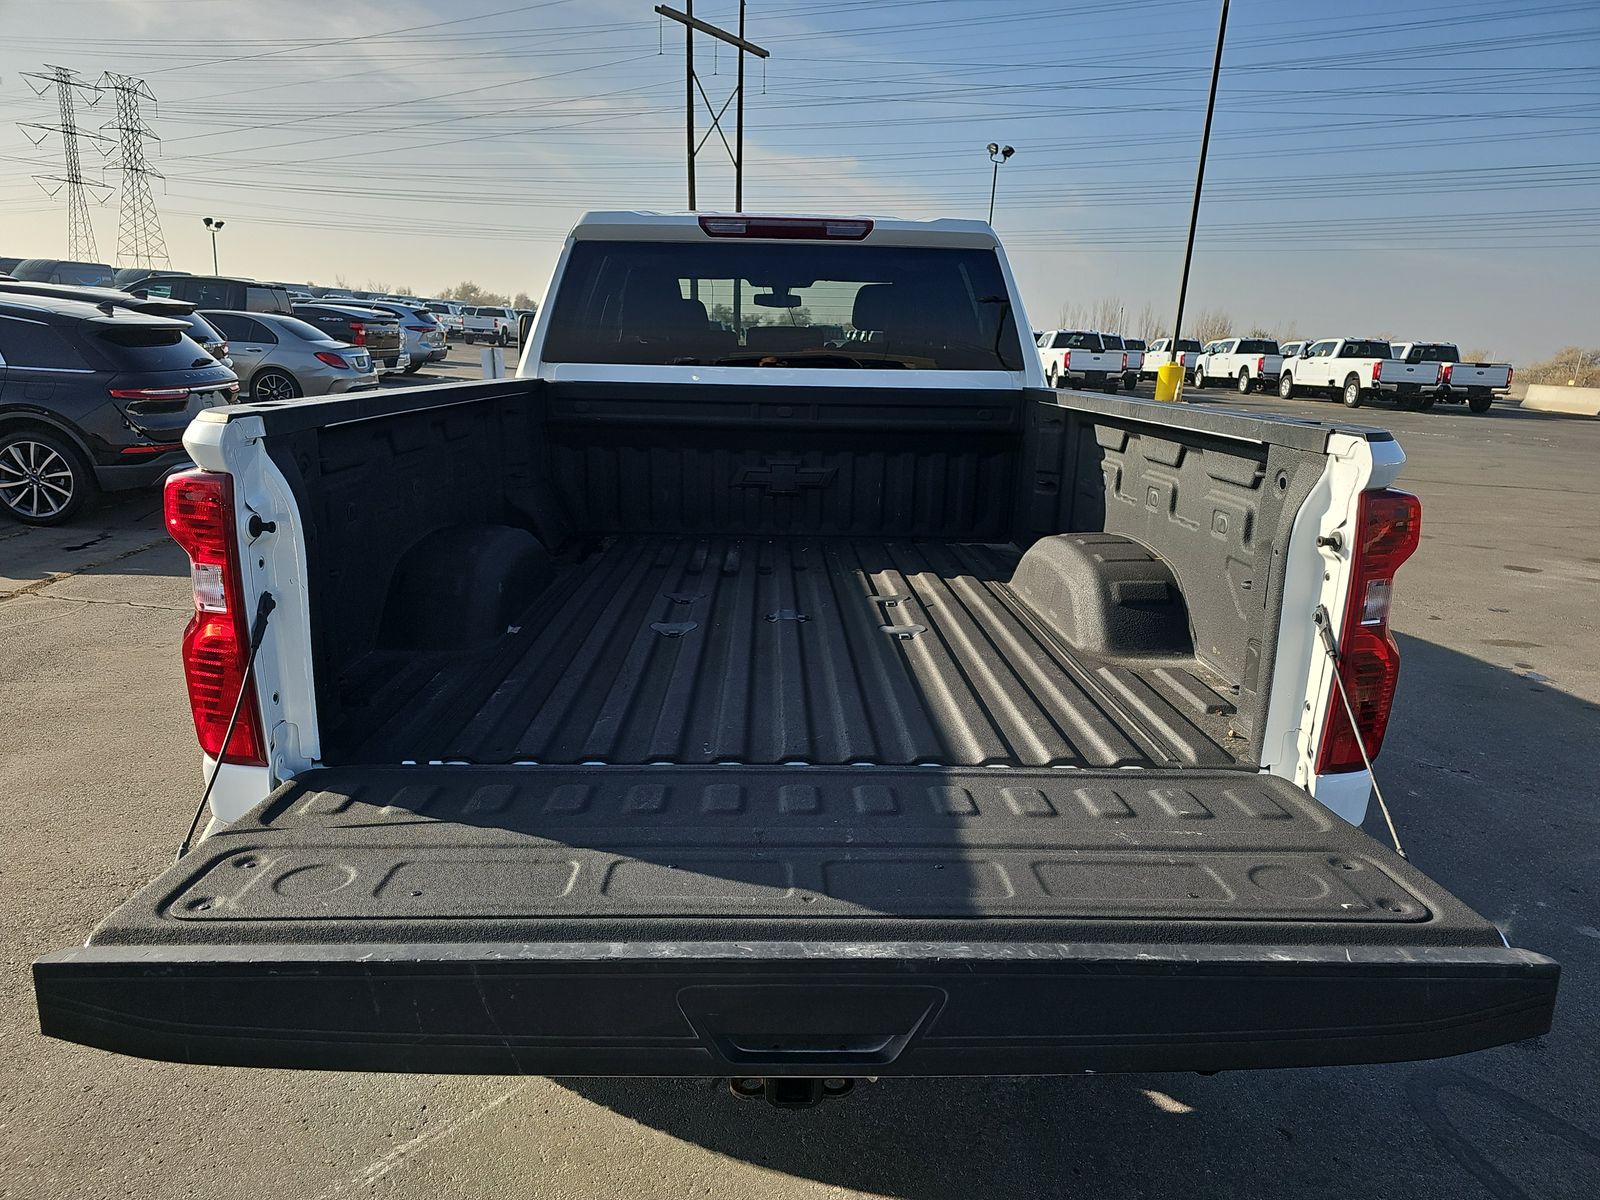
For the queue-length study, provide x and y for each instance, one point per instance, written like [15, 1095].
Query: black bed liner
[775, 921]
[784, 650]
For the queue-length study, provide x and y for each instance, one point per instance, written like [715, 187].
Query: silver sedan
[279, 357]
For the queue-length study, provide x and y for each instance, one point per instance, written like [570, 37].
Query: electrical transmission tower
[80, 232]
[139, 240]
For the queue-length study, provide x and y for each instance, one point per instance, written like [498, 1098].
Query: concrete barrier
[1574, 401]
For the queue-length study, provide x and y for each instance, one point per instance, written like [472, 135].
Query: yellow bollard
[1169, 382]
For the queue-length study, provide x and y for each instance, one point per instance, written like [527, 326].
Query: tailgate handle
[821, 1025]
[751, 1048]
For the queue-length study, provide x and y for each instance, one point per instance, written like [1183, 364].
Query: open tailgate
[780, 921]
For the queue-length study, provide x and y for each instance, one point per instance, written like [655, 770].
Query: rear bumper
[143, 472]
[787, 1008]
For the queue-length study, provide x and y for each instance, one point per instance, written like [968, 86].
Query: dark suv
[201, 330]
[93, 398]
[60, 270]
[217, 291]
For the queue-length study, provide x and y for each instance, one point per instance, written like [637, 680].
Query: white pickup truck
[1475, 383]
[1355, 370]
[1080, 357]
[1160, 354]
[1244, 363]
[1132, 357]
[717, 702]
[486, 323]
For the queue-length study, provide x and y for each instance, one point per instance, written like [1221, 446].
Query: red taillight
[216, 645]
[1124, 360]
[1066, 360]
[814, 228]
[421, 328]
[360, 332]
[332, 359]
[1444, 372]
[1389, 525]
[1510, 371]
[172, 393]
[135, 451]
[1377, 365]
[1261, 365]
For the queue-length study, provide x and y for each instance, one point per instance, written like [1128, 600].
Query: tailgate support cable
[1324, 625]
[258, 630]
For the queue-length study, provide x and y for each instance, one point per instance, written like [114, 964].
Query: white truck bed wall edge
[1303, 677]
[275, 562]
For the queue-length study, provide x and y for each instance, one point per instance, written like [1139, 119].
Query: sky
[1427, 170]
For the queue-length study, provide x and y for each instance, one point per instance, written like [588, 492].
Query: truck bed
[799, 650]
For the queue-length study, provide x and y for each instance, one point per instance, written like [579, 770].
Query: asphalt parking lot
[1489, 766]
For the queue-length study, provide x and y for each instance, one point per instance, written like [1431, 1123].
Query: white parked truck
[727, 699]
[485, 323]
[1081, 358]
[1242, 363]
[1356, 370]
[1132, 357]
[1160, 354]
[1475, 383]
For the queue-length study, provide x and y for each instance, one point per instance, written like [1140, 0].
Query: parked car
[1081, 358]
[425, 338]
[127, 278]
[280, 358]
[1355, 370]
[1245, 363]
[218, 292]
[449, 314]
[203, 333]
[684, 706]
[487, 323]
[1134, 349]
[357, 325]
[1160, 354]
[93, 399]
[57, 270]
[1475, 383]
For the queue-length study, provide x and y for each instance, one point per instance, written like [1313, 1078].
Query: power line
[139, 239]
[80, 230]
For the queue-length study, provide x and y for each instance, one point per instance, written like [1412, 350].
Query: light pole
[1172, 383]
[213, 225]
[997, 155]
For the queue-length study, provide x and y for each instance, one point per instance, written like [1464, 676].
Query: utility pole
[1199, 178]
[692, 84]
[139, 239]
[80, 231]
